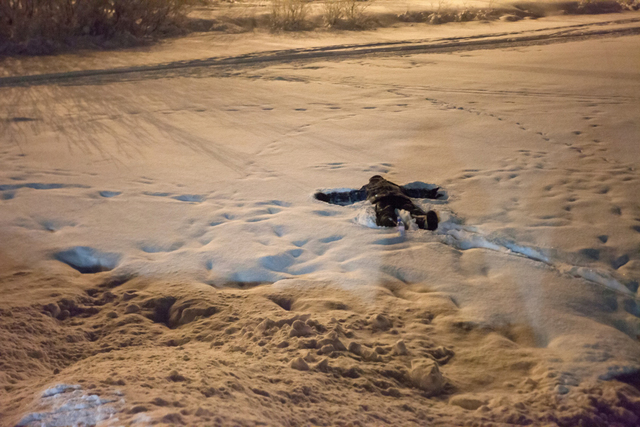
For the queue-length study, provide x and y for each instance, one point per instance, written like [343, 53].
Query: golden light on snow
[163, 258]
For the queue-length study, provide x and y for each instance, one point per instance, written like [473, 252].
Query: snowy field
[163, 259]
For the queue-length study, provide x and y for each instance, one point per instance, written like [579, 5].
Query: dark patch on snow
[620, 261]
[151, 248]
[194, 198]
[238, 284]
[632, 285]
[167, 311]
[590, 253]
[390, 240]
[108, 194]
[330, 239]
[88, 260]
[296, 252]
[21, 119]
[117, 280]
[609, 301]
[300, 243]
[625, 374]
[631, 307]
[39, 186]
[160, 309]
[284, 302]
[279, 262]
[188, 311]
[55, 225]
[326, 213]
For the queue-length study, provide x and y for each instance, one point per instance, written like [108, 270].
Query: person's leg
[432, 220]
[386, 214]
[428, 220]
[416, 213]
[412, 209]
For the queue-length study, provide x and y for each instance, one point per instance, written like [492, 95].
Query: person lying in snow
[388, 198]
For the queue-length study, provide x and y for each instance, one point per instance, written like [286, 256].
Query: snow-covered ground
[163, 256]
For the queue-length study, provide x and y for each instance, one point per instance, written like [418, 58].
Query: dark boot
[432, 220]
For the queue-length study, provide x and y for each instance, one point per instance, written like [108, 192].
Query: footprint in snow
[151, 248]
[109, 194]
[193, 198]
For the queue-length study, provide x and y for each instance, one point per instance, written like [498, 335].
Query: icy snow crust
[67, 405]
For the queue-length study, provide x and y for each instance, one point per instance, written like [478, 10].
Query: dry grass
[53, 20]
[346, 14]
[442, 12]
[332, 12]
[354, 14]
[295, 15]
[289, 15]
[593, 7]
[46, 26]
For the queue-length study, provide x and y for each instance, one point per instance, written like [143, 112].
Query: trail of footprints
[584, 148]
[375, 168]
[567, 197]
[443, 105]
[511, 168]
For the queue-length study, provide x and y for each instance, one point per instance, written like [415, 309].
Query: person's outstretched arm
[422, 193]
[342, 197]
